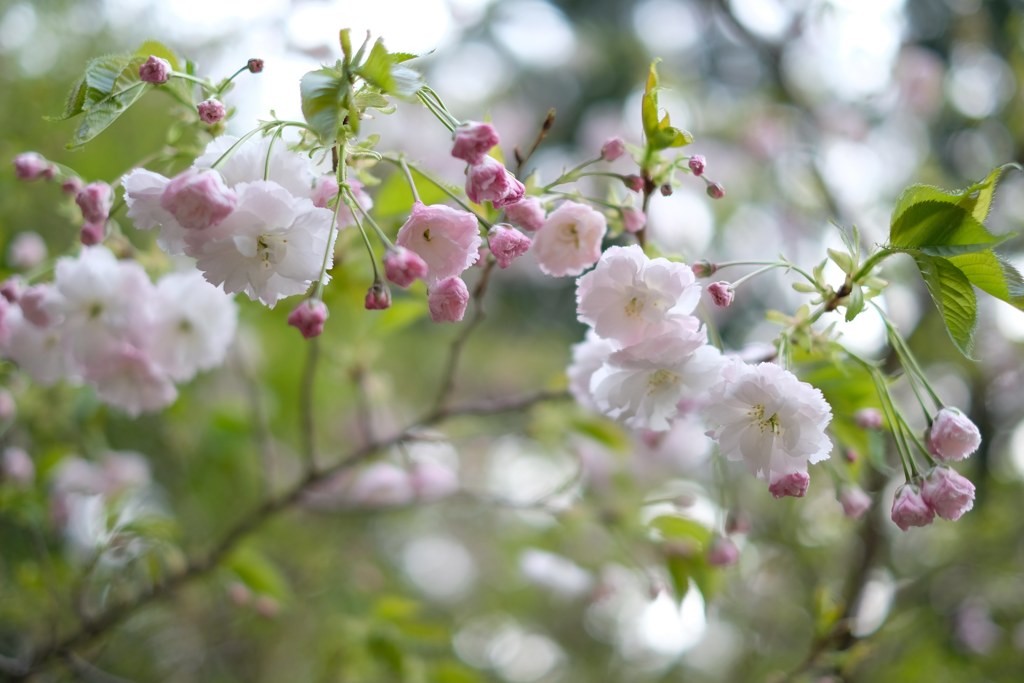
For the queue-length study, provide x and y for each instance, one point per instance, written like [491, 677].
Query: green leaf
[953, 296]
[854, 302]
[681, 528]
[158, 49]
[604, 431]
[345, 39]
[939, 228]
[376, 70]
[649, 103]
[74, 104]
[112, 85]
[395, 199]
[325, 95]
[990, 273]
[258, 573]
[387, 653]
[841, 259]
[986, 191]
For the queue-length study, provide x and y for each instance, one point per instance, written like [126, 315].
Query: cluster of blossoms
[941, 490]
[646, 361]
[104, 322]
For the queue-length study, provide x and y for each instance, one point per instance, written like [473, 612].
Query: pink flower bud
[704, 268]
[155, 70]
[666, 190]
[855, 501]
[489, 180]
[634, 182]
[948, 493]
[507, 244]
[868, 418]
[715, 190]
[952, 435]
[71, 186]
[325, 190]
[850, 455]
[613, 149]
[909, 508]
[378, 297]
[198, 199]
[11, 289]
[18, 466]
[696, 164]
[92, 234]
[211, 111]
[50, 172]
[309, 317]
[95, 200]
[792, 484]
[448, 299]
[473, 140]
[633, 220]
[255, 65]
[527, 213]
[404, 266]
[721, 294]
[30, 166]
[723, 552]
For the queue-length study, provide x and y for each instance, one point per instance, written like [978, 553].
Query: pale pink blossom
[909, 508]
[17, 466]
[155, 70]
[198, 200]
[432, 481]
[95, 200]
[211, 111]
[587, 358]
[26, 250]
[309, 318]
[473, 140]
[448, 299]
[527, 213]
[765, 416]
[143, 191]
[570, 240]
[792, 484]
[403, 266]
[723, 552]
[869, 418]
[11, 289]
[325, 190]
[40, 304]
[629, 297]
[194, 324]
[947, 492]
[267, 158]
[612, 149]
[38, 351]
[952, 435]
[642, 385]
[380, 484]
[855, 501]
[633, 220]
[378, 297]
[489, 181]
[721, 294]
[446, 239]
[128, 378]
[270, 247]
[507, 244]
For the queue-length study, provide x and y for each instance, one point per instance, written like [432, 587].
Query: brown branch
[96, 626]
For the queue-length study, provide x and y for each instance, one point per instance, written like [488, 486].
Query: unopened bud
[633, 220]
[696, 164]
[634, 182]
[309, 317]
[211, 111]
[666, 190]
[715, 190]
[721, 294]
[255, 65]
[448, 299]
[92, 233]
[30, 166]
[72, 185]
[723, 552]
[736, 523]
[378, 297]
[704, 268]
[155, 70]
[868, 418]
[613, 149]
[95, 200]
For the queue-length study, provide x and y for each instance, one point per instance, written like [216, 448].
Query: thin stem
[340, 172]
[575, 174]
[437, 108]
[351, 200]
[907, 357]
[202, 83]
[227, 81]
[408, 177]
[736, 283]
[874, 260]
[441, 186]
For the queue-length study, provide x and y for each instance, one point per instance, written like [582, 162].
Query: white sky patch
[666, 26]
[536, 33]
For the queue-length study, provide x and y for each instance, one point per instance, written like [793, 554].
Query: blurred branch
[307, 406]
[96, 626]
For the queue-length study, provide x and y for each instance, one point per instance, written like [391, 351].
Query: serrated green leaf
[992, 274]
[953, 296]
[112, 85]
[407, 81]
[158, 49]
[74, 103]
[325, 95]
[939, 229]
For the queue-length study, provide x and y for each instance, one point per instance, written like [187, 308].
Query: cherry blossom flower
[404, 266]
[569, 242]
[527, 213]
[587, 358]
[446, 239]
[143, 191]
[629, 297]
[910, 509]
[489, 181]
[855, 501]
[642, 385]
[198, 200]
[194, 324]
[448, 299]
[128, 378]
[272, 246]
[766, 417]
[95, 200]
[26, 250]
[507, 244]
[633, 220]
[952, 435]
[257, 160]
